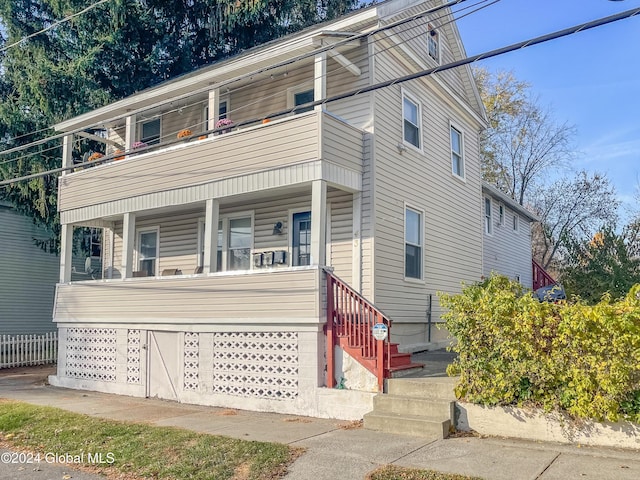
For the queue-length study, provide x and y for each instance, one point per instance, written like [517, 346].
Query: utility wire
[53, 25]
[377, 86]
[230, 81]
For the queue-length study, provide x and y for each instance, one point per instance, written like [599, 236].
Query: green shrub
[514, 350]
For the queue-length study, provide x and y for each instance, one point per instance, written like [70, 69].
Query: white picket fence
[25, 350]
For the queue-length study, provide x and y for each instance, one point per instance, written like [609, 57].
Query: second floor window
[433, 44]
[150, 132]
[457, 160]
[411, 121]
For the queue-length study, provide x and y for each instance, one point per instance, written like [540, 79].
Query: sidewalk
[334, 450]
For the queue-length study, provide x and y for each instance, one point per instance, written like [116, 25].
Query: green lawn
[139, 450]
[391, 472]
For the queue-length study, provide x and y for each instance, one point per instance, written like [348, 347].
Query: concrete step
[420, 407]
[407, 425]
[439, 388]
[404, 370]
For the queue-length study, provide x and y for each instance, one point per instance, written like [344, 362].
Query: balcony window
[240, 239]
[148, 251]
[150, 132]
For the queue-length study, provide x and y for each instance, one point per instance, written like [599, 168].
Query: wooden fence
[25, 350]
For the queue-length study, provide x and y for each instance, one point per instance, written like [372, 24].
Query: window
[240, 239]
[300, 98]
[488, 228]
[148, 251]
[457, 160]
[301, 242]
[223, 111]
[433, 43]
[500, 214]
[411, 121]
[412, 243]
[150, 132]
[516, 222]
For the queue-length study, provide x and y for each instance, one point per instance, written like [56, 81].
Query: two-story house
[216, 244]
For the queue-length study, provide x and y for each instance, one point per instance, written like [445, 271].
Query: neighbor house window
[433, 43]
[150, 131]
[516, 222]
[411, 121]
[457, 160]
[412, 243]
[500, 214]
[148, 251]
[488, 227]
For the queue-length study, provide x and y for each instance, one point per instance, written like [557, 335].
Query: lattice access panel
[256, 364]
[91, 354]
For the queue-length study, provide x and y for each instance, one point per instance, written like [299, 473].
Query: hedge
[515, 350]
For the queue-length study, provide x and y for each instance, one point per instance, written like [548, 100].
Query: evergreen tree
[107, 53]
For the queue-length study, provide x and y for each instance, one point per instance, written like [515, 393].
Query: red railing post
[330, 335]
[380, 364]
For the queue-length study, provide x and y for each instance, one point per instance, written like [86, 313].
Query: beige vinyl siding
[413, 35]
[274, 295]
[188, 117]
[292, 141]
[356, 110]
[452, 244]
[341, 258]
[28, 277]
[179, 232]
[505, 251]
[367, 219]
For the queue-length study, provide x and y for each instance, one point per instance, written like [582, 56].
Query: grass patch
[391, 472]
[140, 450]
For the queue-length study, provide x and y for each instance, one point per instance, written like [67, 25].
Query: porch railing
[27, 350]
[541, 277]
[350, 320]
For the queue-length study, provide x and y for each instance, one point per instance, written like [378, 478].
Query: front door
[163, 370]
[301, 248]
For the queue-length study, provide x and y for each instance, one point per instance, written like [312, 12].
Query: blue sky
[590, 80]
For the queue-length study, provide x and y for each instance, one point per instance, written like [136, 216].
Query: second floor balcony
[277, 153]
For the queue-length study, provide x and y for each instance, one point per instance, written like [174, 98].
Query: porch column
[67, 149]
[320, 79]
[214, 108]
[129, 132]
[356, 272]
[128, 237]
[318, 222]
[211, 236]
[66, 251]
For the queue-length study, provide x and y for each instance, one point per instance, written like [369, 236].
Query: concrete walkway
[335, 450]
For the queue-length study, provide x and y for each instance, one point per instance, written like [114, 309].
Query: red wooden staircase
[541, 277]
[350, 321]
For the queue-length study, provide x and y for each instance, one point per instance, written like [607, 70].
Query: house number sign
[380, 331]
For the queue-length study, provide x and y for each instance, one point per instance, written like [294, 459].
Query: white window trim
[437, 61]
[502, 212]
[487, 226]
[139, 130]
[292, 91]
[515, 226]
[140, 231]
[463, 173]
[404, 244]
[225, 238]
[413, 99]
[292, 212]
[205, 110]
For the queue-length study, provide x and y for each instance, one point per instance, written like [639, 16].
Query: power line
[398, 80]
[230, 81]
[53, 25]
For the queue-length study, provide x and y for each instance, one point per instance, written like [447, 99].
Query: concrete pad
[569, 466]
[470, 456]
[16, 470]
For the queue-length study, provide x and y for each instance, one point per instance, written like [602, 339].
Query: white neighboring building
[506, 246]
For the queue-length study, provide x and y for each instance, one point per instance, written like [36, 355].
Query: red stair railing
[541, 277]
[351, 316]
